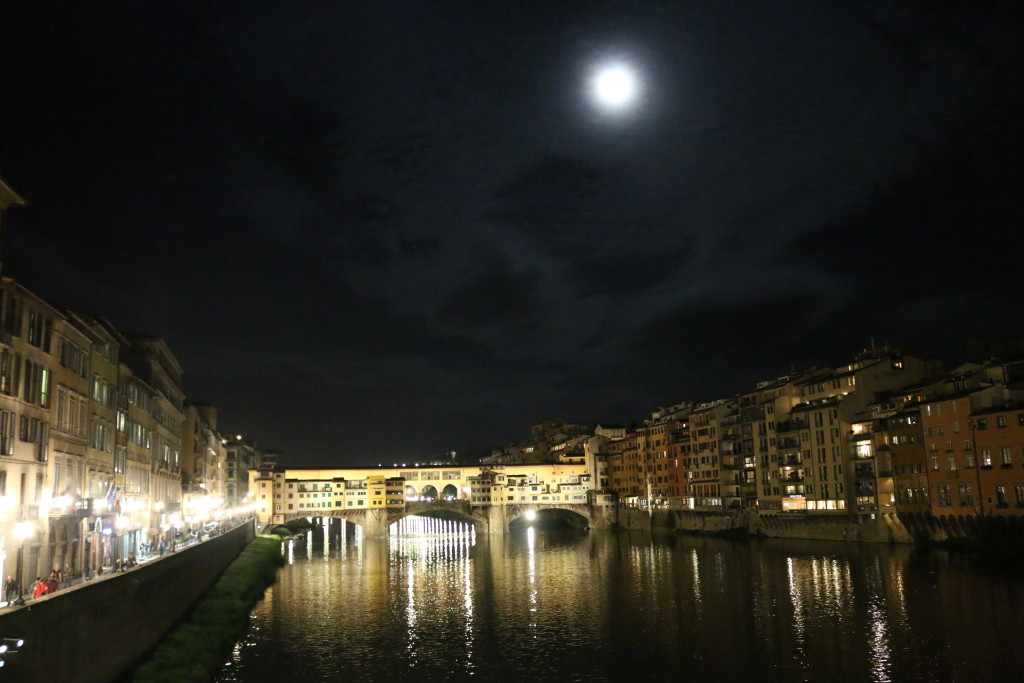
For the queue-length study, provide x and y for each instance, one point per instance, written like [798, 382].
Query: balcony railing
[791, 426]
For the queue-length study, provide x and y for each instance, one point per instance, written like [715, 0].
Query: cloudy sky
[380, 231]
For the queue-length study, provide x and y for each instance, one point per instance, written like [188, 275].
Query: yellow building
[284, 493]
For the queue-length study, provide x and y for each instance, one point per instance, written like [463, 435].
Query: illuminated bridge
[489, 496]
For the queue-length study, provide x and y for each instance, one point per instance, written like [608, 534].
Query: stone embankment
[974, 533]
[196, 649]
[97, 630]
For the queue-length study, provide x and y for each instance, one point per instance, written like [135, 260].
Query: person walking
[66, 578]
[38, 588]
[10, 590]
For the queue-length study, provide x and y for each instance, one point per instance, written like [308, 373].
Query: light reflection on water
[437, 602]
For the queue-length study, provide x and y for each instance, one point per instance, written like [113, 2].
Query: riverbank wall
[975, 532]
[98, 630]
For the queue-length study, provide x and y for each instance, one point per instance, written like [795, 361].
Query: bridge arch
[458, 511]
[450, 492]
[572, 515]
[429, 493]
[487, 519]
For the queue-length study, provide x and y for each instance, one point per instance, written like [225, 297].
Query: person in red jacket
[38, 588]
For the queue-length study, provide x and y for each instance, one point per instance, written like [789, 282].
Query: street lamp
[22, 530]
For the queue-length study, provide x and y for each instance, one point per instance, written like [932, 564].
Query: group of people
[129, 563]
[58, 578]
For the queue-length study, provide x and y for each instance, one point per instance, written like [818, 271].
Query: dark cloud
[348, 216]
[494, 298]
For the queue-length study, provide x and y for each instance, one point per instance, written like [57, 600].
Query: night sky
[381, 231]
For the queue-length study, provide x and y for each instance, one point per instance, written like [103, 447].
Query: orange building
[952, 464]
[907, 452]
[999, 443]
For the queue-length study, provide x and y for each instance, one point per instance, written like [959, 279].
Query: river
[440, 603]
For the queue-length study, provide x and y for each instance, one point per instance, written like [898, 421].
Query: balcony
[791, 426]
[865, 488]
[864, 472]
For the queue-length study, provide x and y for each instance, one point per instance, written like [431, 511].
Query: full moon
[615, 86]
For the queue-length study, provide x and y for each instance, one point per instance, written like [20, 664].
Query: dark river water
[438, 603]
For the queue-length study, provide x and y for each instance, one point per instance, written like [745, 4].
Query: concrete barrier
[98, 630]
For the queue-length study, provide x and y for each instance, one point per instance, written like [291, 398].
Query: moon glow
[615, 86]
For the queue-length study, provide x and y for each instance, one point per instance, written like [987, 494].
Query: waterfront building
[999, 443]
[812, 463]
[203, 459]
[753, 446]
[660, 455]
[702, 465]
[648, 454]
[822, 472]
[873, 489]
[677, 447]
[152, 361]
[595, 459]
[26, 368]
[105, 461]
[481, 488]
[242, 456]
[778, 438]
[623, 468]
[133, 502]
[908, 458]
[64, 498]
[950, 441]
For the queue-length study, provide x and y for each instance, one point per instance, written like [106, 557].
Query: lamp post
[22, 530]
[121, 524]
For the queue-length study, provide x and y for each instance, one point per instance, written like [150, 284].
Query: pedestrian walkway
[108, 571]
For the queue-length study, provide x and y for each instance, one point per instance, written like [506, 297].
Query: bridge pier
[497, 521]
[375, 523]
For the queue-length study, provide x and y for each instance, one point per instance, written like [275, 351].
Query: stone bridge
[487, 519]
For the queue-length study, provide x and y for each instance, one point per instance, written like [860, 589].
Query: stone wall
[97, 630]
[884, 528]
